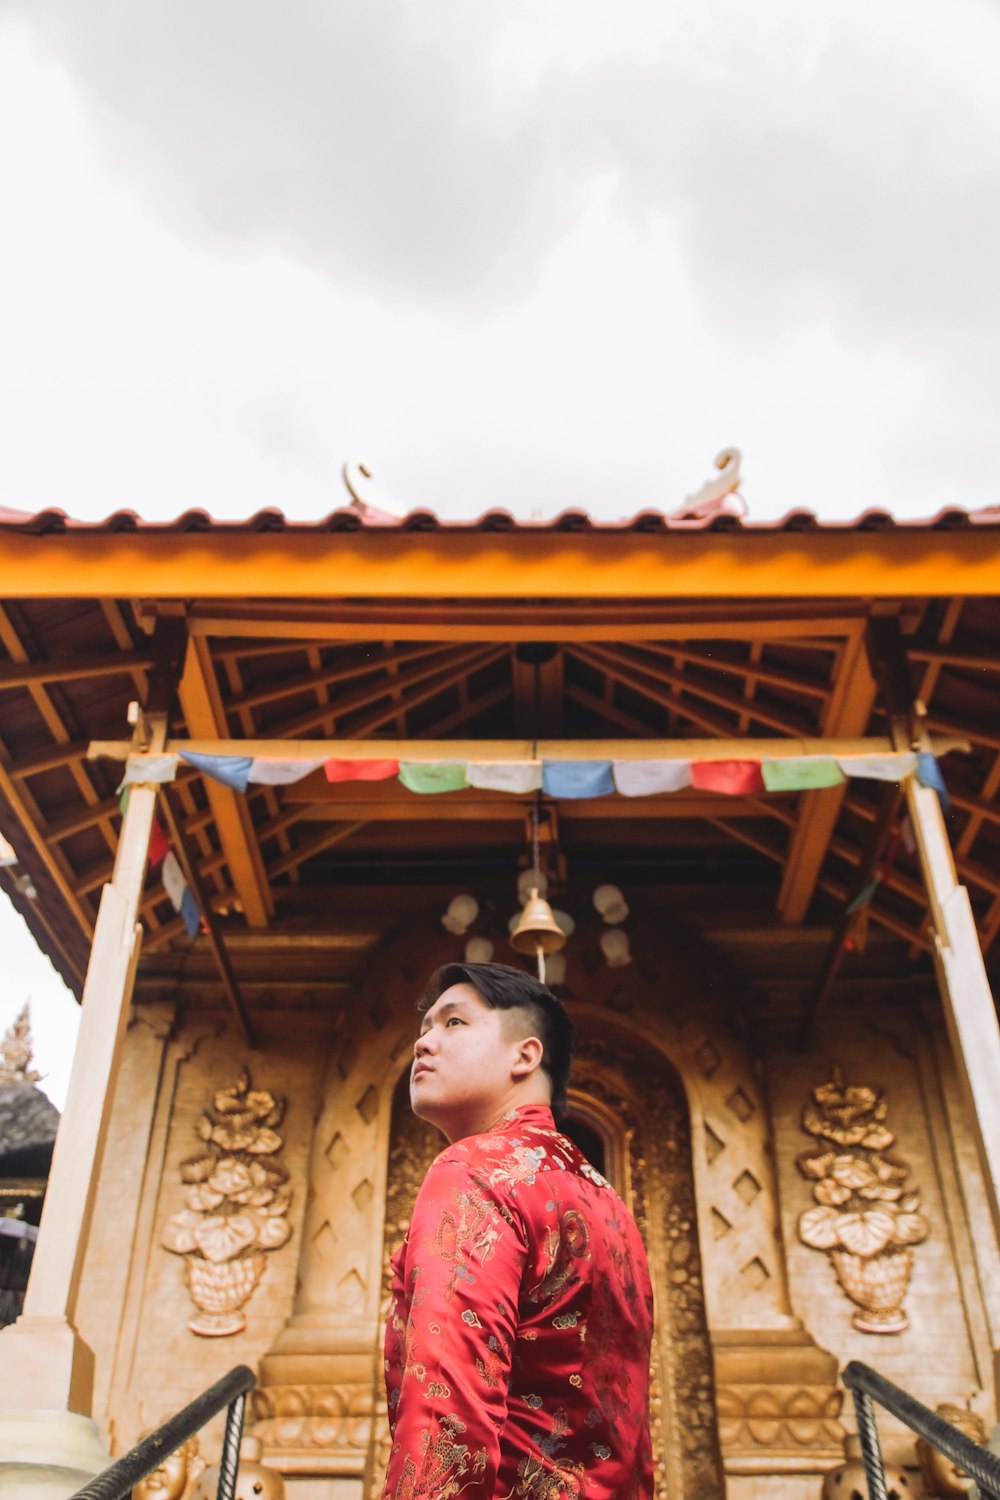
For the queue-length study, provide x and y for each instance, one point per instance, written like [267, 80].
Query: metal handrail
[117, 1481]
[866, 1386]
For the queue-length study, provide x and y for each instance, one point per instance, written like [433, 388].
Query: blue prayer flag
[578, 778]
[232, 770]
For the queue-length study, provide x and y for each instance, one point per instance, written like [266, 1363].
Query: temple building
[263, 777]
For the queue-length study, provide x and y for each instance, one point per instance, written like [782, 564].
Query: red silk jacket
[517, 1343]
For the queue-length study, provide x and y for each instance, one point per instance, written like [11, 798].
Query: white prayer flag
[267, 772]
[173, 880]
[506, 776]
[644, 778]
[152, 770]
[891, 767]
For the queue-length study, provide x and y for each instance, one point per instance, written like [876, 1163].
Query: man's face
[463, 1061]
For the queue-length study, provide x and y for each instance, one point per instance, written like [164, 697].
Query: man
[517, 1344]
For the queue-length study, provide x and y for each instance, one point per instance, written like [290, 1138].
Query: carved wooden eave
[718, 630]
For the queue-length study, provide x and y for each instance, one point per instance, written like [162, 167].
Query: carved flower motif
[866, 1233]
[221, 1239]
[831, 1193]
[178, 1235]
[198, 1168]
[815, 1166]
[230, 1178]
[273, 1233]
[852, 1172]
[203, 1199]
[911, 1228]
[818, 1228]
[264, 1142]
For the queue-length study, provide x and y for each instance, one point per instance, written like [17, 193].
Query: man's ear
[528, 1059]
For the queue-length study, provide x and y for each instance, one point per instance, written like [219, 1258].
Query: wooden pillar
[54, 1367]
[969, 1008]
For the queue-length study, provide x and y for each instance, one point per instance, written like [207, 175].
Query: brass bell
[537, 931]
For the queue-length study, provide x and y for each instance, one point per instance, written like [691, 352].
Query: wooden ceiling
[418, 669]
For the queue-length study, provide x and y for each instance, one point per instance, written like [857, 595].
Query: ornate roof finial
[17, 1051]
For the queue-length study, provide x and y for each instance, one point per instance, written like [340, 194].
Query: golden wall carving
[864, 1216]
[237, 1201]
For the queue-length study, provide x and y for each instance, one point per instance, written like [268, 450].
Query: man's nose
[422, 1045]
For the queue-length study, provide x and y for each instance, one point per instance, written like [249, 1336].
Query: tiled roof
[354, 517]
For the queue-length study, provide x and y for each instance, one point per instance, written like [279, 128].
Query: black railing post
[229, 1461]
[231, 1391]
[871, 1450]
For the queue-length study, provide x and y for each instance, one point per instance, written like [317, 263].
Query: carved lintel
[778, 1403]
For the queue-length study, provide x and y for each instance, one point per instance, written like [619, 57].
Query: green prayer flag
[800, 773]
[448, 776]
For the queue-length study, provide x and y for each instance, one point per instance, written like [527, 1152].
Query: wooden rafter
[18, 653]
[847, 713]
[318, 679]
[204, 714]
[648, 685]
[70, 668]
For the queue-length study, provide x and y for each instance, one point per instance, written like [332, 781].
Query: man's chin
[423, 1106]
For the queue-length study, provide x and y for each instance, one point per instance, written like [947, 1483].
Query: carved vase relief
[238, 1197]
[865, 1218]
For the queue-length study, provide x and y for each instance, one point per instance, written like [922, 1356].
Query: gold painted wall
[757, 1324]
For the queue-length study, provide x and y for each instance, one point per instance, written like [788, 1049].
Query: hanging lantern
[615, 947]
[611, 904]
[462, 912]
[537, 931]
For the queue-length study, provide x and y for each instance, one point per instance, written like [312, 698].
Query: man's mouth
[419, 1069]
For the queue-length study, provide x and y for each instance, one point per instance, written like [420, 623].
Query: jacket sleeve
[462, 1268]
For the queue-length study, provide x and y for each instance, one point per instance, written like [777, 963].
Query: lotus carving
[864, 1217]
[236, 1205]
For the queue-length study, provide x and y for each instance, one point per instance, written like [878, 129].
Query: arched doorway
[629, 1115]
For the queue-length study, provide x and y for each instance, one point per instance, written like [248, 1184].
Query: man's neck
[482, 1120]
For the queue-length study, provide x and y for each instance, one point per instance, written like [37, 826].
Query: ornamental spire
[17, 1051]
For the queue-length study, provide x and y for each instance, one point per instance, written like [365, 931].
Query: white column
[54, 1367]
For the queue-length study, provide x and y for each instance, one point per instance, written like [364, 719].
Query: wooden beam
[234, 563]
[847, 713]
[386, 802]
[189, 867]
[201, 703]
[871, 858]
[431, 751]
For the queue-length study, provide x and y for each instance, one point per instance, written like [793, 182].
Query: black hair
[505, 988]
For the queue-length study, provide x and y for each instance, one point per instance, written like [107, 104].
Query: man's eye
[454, 1021]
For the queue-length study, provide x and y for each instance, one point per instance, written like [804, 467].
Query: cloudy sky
[528, 254]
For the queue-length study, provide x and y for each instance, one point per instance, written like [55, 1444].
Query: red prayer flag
[360, 770]
[734, 777]
[159, 844]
